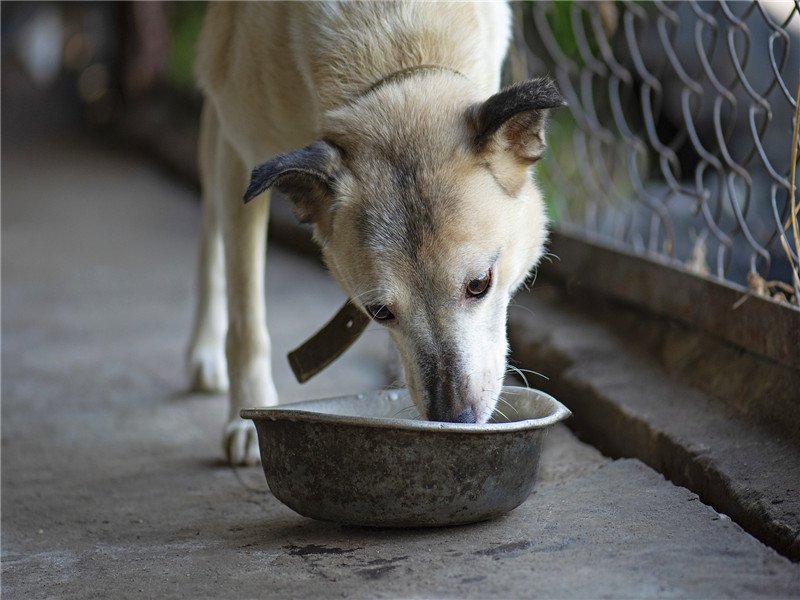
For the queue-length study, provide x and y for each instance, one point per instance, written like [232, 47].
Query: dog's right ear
[307, 177]
[509, 128]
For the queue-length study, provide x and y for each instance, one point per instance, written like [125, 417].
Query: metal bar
[665, 287]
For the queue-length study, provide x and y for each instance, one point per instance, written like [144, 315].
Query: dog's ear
[510, 125]
[307, 177]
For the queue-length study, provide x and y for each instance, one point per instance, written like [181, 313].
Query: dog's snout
[446, 390]
[445, 403]
[452, 414]
[466, 416]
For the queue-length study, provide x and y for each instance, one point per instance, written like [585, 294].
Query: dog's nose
[444, 392]
[448, 415]
[466, 416]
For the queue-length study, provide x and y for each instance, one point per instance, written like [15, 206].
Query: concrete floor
[112, 483]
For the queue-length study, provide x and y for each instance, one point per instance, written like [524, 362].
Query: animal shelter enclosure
[665, 317]
[678, 141]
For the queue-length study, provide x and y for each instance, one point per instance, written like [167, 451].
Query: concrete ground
[112, 483]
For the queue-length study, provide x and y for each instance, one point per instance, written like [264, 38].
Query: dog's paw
[240, 442]
[207, 370]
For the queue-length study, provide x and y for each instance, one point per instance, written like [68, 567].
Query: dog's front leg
[247, 343]
[205, 357]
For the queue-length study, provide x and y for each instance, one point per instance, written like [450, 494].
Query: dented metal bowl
[357, 460]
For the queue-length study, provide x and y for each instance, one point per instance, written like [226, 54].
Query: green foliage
[560, 134]
[185, 20]
[561, 25]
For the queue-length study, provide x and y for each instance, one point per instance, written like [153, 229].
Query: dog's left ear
[509, 126]
[307, 177]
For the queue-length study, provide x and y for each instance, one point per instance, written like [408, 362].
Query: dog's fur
[415, 177]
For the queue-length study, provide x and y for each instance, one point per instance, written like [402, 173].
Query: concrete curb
[627, 405]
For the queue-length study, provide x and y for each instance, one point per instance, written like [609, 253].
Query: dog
[383, 124]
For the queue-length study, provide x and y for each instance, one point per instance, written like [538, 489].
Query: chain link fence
[678, 141]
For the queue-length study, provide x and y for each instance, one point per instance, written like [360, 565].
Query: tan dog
[417, 185]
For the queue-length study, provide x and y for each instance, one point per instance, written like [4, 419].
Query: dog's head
[423, 205]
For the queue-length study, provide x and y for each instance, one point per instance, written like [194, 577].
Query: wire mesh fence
[678, 141]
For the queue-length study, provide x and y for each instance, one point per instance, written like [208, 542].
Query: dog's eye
[478, 287]
[379, 312]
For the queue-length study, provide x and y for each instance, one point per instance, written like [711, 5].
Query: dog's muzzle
[445, 393]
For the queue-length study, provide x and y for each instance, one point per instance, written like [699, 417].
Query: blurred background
[121, 69]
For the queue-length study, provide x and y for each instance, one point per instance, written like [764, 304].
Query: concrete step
[625, 378]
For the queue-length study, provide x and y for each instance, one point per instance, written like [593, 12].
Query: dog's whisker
[533, 281]
[525, 308]
[549, 256]
[415, 414]
[521, 374]
[502, 414]
[401, 411]
[507, 403]
[534, 373]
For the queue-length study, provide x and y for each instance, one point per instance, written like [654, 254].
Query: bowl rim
[295, 412]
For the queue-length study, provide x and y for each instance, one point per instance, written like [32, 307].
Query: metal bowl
[357, 460]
